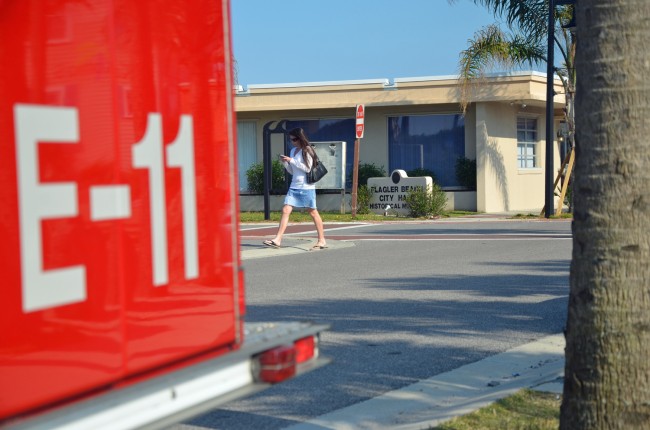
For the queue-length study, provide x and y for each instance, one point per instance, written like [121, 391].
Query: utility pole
[550, 94]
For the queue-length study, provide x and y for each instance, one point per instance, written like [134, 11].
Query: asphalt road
[406, 301]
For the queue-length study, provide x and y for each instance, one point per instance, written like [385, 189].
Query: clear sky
[288, 41]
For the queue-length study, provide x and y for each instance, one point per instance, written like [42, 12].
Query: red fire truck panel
[119, 249]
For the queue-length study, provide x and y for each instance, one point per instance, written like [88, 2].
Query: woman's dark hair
[304, 143]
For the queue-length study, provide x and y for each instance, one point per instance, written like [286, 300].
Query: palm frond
[527, 21]
[526, 16]
[491, 48]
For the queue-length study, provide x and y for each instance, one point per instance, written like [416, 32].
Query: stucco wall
[503, 187]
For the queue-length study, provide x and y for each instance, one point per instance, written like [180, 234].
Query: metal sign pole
[355, 177]
[360, 114]
[267, 161]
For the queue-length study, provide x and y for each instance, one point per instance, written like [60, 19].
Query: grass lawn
[537, 216]
[302, 216]
[524, 410]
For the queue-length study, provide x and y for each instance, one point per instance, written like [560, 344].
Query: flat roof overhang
[520, 87]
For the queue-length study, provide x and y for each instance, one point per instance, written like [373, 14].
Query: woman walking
[301, 194]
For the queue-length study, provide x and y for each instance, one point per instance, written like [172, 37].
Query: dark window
[432, 142]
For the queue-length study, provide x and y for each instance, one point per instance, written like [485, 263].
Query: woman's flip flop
[271, 244]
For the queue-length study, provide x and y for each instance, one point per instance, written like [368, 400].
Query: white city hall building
[416, 123]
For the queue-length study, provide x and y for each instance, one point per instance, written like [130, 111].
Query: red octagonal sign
[360, 117]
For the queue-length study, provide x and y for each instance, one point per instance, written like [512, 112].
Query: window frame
[244, 166]
[523, 158]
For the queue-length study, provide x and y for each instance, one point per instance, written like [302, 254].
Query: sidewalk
[538, 365]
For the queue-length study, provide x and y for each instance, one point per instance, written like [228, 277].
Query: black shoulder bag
[318, 169]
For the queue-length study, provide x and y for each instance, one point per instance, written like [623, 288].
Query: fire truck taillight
[277, 364]
[306, 349]
[281, 363]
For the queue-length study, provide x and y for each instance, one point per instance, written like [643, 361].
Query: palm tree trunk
[607, 384]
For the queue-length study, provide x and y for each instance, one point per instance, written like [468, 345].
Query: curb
[432, 401]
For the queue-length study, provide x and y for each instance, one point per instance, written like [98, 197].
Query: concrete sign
[389, 194]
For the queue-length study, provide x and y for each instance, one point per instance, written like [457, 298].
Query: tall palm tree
[522, 43]
[607, 383]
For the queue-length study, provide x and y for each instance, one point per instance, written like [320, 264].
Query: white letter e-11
[44, 289]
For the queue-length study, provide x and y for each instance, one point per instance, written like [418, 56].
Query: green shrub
[255, 178]
[466, 172]
[370, 170]
[363, 199]
[421, 171]
[426, 203]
